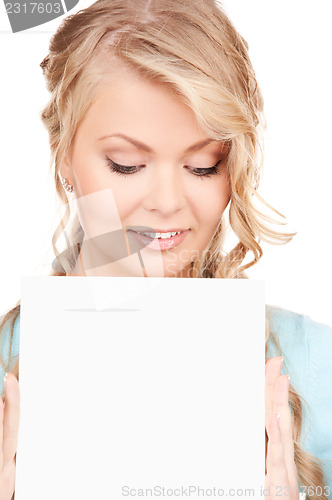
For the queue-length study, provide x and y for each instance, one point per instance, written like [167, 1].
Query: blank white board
[160, 389]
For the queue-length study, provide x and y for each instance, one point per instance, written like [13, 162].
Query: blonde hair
[194, 50]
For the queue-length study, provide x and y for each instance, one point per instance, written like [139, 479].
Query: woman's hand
[281, 473]
[9, 421]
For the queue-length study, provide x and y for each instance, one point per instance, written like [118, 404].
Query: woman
[155, 111]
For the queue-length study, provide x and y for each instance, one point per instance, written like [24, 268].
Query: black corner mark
[26, 14]
[70, 4]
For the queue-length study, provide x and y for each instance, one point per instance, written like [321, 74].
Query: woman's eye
[122, 169]
[205, 172]
[132, 169]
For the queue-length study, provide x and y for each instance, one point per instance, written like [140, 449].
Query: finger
[272, 372]
[281, 406]
[11, 418]
[276, 466]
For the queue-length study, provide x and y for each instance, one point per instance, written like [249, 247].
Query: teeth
[160, 235]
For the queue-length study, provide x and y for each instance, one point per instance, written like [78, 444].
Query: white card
[157, 395]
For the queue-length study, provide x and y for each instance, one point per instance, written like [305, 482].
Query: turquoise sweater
[307, 350]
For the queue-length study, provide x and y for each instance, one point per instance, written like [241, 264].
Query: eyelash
[123, 170]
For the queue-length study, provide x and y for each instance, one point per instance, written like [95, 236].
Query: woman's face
[142, 157]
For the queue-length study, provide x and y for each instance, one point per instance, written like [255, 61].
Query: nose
[165, 191]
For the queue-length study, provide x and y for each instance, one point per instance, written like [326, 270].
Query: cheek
[91, 178]
[96, 203]
[127, 198]
[89, 174]
[98, 213]
[211, 202]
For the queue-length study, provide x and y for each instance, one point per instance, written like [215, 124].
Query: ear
[65, 169]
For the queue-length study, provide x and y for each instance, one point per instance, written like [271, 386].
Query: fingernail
[5, 377]
[281, 359]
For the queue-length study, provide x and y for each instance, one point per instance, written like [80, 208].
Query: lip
[161, 244]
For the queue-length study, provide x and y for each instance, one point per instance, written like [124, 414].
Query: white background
[290, 46]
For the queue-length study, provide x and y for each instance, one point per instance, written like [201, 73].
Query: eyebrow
[144, 147]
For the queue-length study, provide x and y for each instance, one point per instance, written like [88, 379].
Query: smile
[160, 235]
[163, 240]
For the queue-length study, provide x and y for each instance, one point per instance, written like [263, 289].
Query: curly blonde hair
[194, 50]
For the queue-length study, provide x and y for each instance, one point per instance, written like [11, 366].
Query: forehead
[149, 111]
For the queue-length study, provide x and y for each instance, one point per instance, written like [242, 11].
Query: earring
[66, 185]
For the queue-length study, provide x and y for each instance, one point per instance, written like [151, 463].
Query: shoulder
[306, 346]
[290, 323]
[303, 341]
[9, 345]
